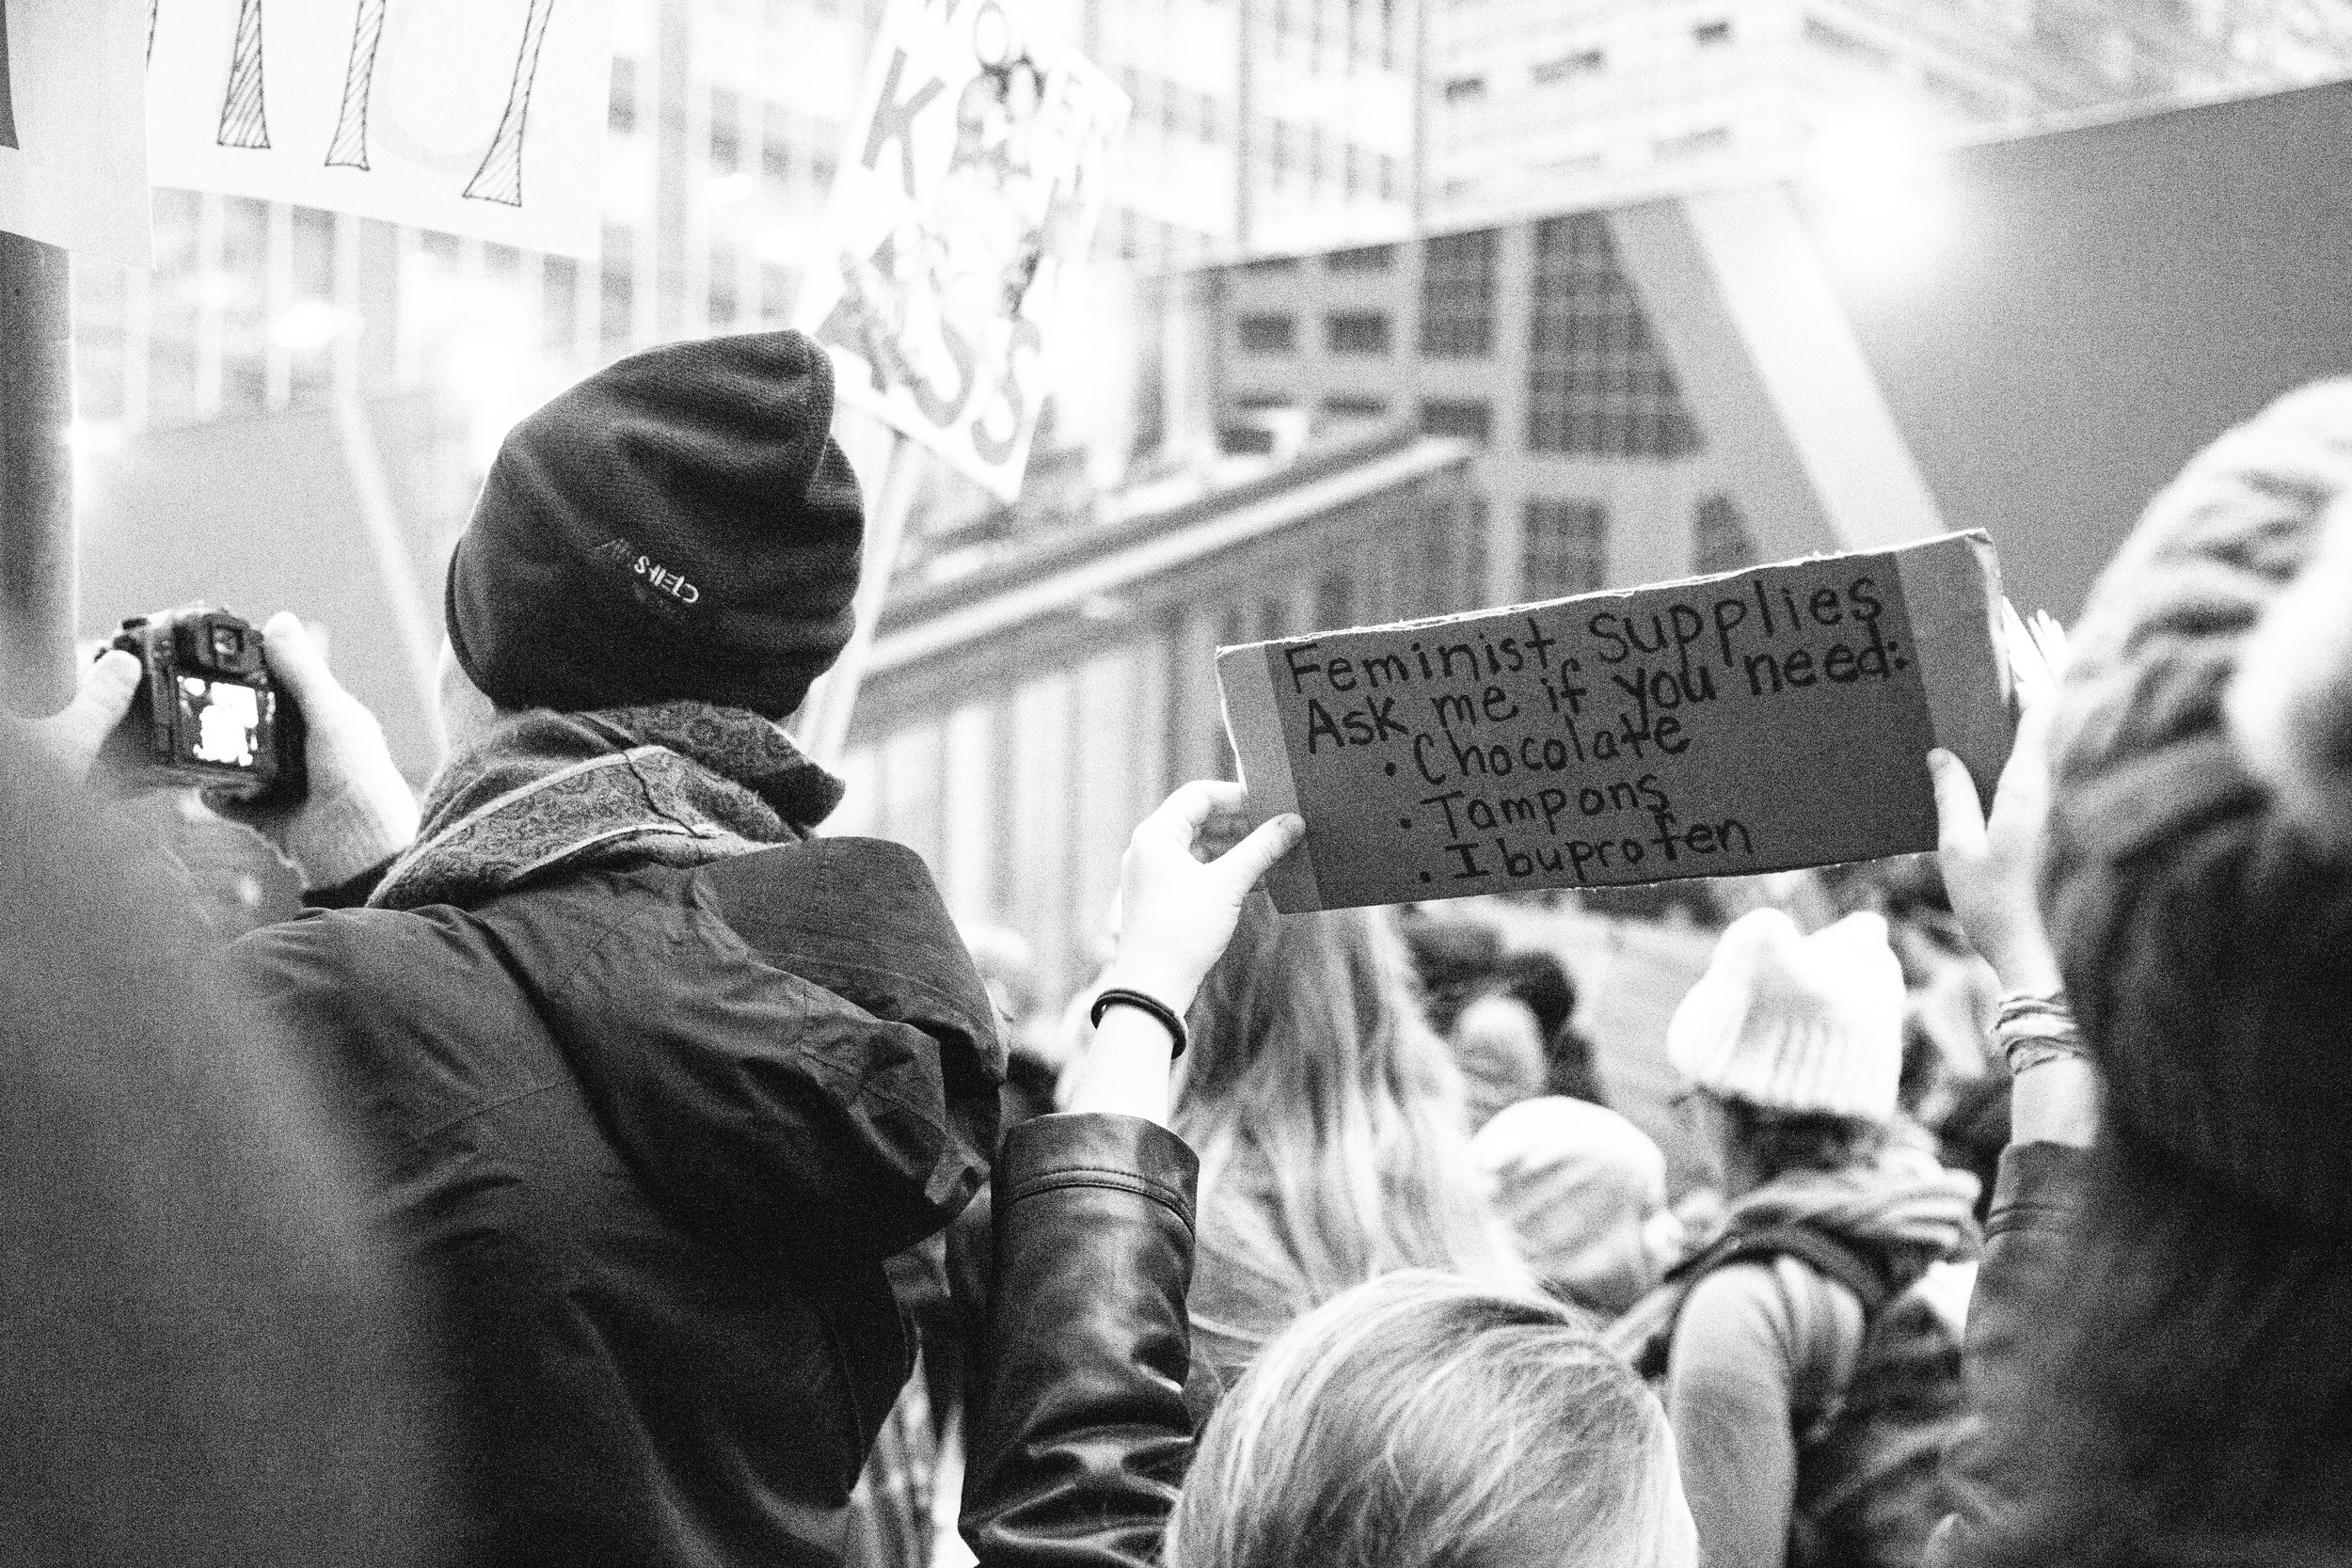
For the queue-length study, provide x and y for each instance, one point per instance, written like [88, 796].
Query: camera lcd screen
[225, 718]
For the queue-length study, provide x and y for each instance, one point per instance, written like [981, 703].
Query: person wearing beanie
[1584, 1190]
[1838, 1237]
[2166, 1378]
[647, 1082]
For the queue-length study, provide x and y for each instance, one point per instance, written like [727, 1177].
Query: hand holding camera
[255, 720]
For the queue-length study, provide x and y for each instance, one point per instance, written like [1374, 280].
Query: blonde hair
[1421, 1420]
[1328, 1119]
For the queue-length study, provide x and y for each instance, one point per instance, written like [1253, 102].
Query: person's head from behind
[1329, 1122]
[2198, 887]
[1500, 1048]
[678, 527]
[1791, 1047]
[1422, 1420]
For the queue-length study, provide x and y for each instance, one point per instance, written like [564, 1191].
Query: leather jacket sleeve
[1079, 1434]
[1993, 1465]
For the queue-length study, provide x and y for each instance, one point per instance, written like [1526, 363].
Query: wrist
[1161, 982]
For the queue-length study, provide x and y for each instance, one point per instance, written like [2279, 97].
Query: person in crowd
[2160, 1357]
[1329, 1122]
[649, 1080]
[1543, 982]
[1584, 1190]
[1414, 1419]
[209, 1356]
[1799, 1342]
[1499, 1048]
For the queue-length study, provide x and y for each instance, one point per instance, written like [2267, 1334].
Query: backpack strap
[1861, 1271]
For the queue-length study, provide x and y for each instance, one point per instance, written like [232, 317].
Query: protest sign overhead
[1761, 721]
[73, 137]
[968, 190]
[473, 117]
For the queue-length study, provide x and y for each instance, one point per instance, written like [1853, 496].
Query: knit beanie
[2199, 867]
[1792, 1022]
[679, 525]
[1581, 1189]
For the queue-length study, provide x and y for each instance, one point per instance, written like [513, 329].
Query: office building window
[1356, 409]
[1708, 34]
[777, 285]
[1355, 332]
[726, 130]
[1363, 258]
[618, 287]
[1597, 382]
[1565, 550]
[725, 286]
[621, 97]
[1457, 295]
[1581, 62]
[559, 306]
[1471, 419]
[1269, 334]
[1720, 541]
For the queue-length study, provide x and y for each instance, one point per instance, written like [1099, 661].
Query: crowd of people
[578, 1179]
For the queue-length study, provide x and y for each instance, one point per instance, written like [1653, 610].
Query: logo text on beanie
[621, 552]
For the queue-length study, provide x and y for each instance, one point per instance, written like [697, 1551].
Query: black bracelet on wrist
[1120, 996]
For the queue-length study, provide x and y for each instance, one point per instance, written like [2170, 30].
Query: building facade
[1544, 102]
[2027, 335]
[1016, 723]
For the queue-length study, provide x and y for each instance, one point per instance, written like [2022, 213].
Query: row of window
[1564, 547]
[792, 144]
[1577, 62]
[1597, 382]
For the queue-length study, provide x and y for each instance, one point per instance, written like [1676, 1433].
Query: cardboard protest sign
[472, 117]
[968, 190]
[1760, 720]
[72, 126]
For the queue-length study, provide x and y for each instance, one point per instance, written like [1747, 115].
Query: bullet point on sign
[1403, 821]
[1392, 771]
[1425, 875]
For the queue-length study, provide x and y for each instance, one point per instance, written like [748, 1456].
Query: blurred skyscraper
[1553, 102]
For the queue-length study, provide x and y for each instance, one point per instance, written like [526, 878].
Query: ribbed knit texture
[679, 526]
[2205, 934]
[1792, 1022]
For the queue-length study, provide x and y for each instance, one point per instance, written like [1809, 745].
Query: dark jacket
[1079, 1434]
[1997, 1480]
[648, 1136]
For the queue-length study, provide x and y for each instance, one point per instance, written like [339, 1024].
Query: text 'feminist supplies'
[1761, 721]
[968, 190]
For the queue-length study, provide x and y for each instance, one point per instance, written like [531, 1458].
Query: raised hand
[1991, 863]
[356, 809]
[73, 734]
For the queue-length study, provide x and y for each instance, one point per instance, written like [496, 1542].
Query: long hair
[1422, 1420]
[1329, 1122]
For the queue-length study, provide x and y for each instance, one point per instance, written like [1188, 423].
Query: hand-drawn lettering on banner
[472, 117]
[968, 190]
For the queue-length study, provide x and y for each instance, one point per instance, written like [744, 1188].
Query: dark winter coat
[648, 1136]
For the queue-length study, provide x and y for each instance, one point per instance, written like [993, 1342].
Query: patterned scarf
[1905, 1204]
[677, 784]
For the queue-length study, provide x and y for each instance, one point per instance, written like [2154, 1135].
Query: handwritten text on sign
[1767, 719]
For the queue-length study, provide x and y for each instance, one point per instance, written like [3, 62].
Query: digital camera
[207, 711]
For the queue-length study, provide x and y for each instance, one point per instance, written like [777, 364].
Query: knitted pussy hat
[1792, 1022]
[2197, 873]
[679, 526]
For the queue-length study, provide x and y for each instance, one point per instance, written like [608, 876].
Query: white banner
[72, 126]
[472, 117]
[969, 189]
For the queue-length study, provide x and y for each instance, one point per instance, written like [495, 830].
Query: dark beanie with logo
[2198, 874]
[679, 526]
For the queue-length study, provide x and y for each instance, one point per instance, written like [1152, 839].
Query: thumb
[1959, 814]
[100, 701]
[1254, 856]
[298, 663]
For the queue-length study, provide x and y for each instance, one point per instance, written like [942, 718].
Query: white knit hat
[1796, 1023]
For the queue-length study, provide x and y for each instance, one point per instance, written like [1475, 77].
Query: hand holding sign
[1757, 721]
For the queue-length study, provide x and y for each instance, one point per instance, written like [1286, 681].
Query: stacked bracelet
[2033, 1029]
[1120, 996]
